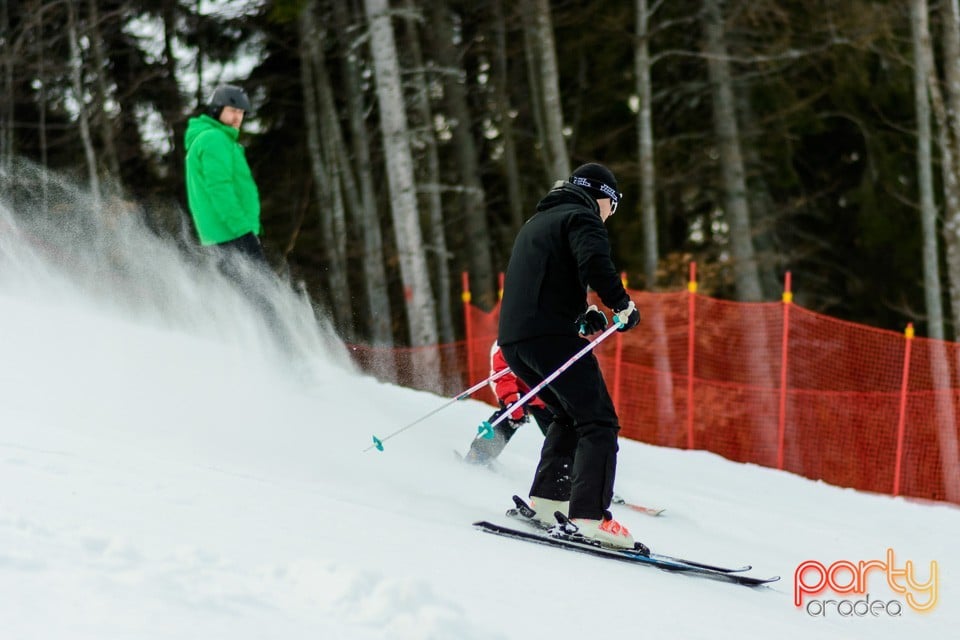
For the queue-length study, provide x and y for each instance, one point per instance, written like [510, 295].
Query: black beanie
[597, 180]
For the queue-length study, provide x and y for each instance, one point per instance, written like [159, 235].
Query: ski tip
[650, 511]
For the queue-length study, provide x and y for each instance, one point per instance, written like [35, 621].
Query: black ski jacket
[560, 250]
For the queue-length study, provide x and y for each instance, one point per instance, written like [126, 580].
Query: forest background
[398, 143]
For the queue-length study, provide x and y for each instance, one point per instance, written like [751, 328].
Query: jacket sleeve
[216, 161]
[506, 384]
[590, 245]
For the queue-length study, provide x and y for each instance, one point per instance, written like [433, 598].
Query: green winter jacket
[221, 193]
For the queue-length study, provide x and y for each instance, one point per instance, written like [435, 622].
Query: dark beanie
[597, 180]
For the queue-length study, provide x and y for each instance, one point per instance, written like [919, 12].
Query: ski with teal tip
[580, 544]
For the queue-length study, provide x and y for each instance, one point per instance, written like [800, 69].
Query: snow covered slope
[164, 473]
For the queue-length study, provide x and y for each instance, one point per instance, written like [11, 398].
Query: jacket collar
[227, 129]
[567, 193]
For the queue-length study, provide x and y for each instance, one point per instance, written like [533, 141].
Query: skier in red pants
[508, 389]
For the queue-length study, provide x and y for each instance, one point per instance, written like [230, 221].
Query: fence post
[467, 321]
[691, 309]
[784, 353]
[902, 421]
[618, 357]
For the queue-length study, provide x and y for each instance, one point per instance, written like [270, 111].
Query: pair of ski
[558, 536]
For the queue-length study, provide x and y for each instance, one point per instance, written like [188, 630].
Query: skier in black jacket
[560, 251]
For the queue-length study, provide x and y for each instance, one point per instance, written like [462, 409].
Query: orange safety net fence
[773, 384]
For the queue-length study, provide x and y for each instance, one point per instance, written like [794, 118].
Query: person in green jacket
[221, 193]
[225, 203]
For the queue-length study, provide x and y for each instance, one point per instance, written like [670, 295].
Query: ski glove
[627, 318]
[518, 415]
[591, 321]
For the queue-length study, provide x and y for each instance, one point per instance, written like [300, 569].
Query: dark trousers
[248, 246]
[585, 429]
[235, 259]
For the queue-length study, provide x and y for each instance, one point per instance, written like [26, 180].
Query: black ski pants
[585, 429]
[239, 260]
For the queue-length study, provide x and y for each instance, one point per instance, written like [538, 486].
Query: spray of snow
[167, 470]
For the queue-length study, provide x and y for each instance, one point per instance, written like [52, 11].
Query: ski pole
[378, 442]
[486, 428]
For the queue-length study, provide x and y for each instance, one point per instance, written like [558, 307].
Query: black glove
[627, 318]
[591, 321]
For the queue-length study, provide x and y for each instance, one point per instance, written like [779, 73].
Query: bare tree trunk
[666, 415]
[552, 102]
[951, 227]
[7, 99]
[421, 312]
[101, 96]
[731, 158]
[375, 273]
[472, 210]
[173, 108]
[335, 223]
[757, 350]
[322, 162]
[338, 161]
[928, 209]
[76, 78]
[926, 85]
[201, 51]
[505, 122]
[548, 85]
[530, 49]
[648, 201]
[341, 174]
[42, 114]
[431, 180]
[948, 165]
